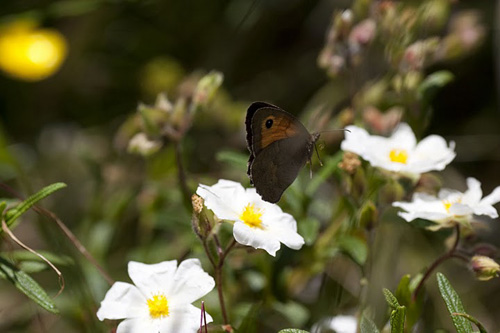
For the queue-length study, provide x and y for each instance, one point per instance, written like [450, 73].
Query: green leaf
[433, 82]
[355, 247]
[454, 304]
[391, 299]
[292, 330]
[233, 158]
[398, 319]
[367, 325]
[249, 323]
[323, 174]
[403, 292]
[309, 228]
[26, 285]
[22, 255]
[14, 213]
[472, 320]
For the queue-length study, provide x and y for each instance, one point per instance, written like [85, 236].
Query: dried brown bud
[350, 162]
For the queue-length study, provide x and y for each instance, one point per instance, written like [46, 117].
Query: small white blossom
[400, 153]
[257, 223]
[160, 301]
[451, 206]
[338, 324]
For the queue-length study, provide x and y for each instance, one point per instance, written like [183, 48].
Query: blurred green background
[123, 207]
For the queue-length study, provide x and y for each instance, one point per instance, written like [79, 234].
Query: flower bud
[350, 162]
[140, 144]
[200, 221]
[390, 192]
[206, 88]
[484, 267]
[368, 215]
[428, 183]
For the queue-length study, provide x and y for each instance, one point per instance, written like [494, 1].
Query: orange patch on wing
[282, 128]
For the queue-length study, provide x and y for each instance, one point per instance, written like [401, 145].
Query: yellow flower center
[251, 216]
[158, 306]
[398, 155]
[447, 204]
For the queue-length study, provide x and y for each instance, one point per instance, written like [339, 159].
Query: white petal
[492, 198]
[432, 153]
[284, 228]
[355, 140]
[190, 282]
[138, 325]
[255, 237]
[459, 209]
[183, 319]
[404, 137]
[223, 198]
[484, 209]
[344, 324]
[474, 193]
[151, 278]
[122, 300]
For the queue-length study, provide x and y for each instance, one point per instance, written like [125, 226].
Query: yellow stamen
[251, 216]
[158, 306]
[398, 155]
[447, 203]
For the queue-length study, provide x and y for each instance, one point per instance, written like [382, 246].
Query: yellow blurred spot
[29, 53]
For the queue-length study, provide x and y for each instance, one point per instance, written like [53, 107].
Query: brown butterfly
[279, 147]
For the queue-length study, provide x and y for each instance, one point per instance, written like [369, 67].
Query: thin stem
[450, 254]
[181, 172]
[218, 279]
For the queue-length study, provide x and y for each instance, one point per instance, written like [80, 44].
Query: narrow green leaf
[391, 299]
[23, 255]
[249, 323]
[433, 82]
[355, 247]
[14, 213]
[26, 285]
[292, 330]
[398, 320]
[403, 292]
[233, 158]
[473, 320]
[329, 167]
[367, 325]
[454, 304]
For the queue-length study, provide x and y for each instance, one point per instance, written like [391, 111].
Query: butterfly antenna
[334, 130]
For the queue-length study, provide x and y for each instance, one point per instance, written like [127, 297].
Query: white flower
[161, 299]
[400, 152]
[339, 324]
[451, 205]
[257, 223]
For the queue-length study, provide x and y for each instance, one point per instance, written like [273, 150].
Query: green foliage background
[124, 207]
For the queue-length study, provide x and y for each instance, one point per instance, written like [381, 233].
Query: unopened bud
[484, 267]
[368, 215]
[350, 162]
[390, 192]
[207, 87]
[199, 221]
[140, 144]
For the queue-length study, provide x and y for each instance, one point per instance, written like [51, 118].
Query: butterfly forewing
[279, 147]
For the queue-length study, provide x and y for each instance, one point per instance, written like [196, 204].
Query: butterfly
[279, 147]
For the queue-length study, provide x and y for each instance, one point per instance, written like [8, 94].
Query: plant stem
[450, 254]
[218, 280]
[182, 173]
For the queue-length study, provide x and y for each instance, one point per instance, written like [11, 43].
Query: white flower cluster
[401, 154]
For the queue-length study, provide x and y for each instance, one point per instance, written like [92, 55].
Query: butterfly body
[279, 147]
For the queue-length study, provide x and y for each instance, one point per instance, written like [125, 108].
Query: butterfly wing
[279, 147]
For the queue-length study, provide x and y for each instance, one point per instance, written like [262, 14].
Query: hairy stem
[450, 254]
